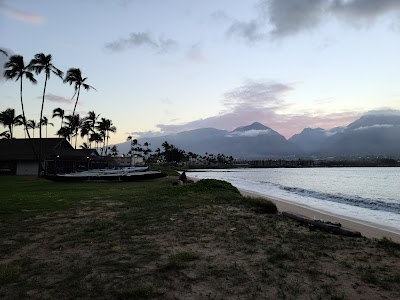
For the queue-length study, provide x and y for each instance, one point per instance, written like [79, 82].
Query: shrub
[261, 205]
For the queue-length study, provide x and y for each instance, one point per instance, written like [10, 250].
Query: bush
[214, 185]
[261, 205]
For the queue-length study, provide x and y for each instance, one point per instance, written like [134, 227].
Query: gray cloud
[364, 9]
[291, 16]
[57, 99]
[256, 94]
[250, 32]
[142, 39]
[278, 18]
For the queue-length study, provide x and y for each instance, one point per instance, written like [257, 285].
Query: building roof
[21, 149]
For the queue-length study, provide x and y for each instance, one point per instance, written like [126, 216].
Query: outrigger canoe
[124, 174]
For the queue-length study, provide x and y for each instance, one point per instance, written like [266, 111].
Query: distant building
[17, 157]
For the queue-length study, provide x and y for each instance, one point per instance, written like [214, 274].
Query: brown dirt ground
[216, 251]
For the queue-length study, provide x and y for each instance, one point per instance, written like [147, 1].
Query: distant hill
[254, 141]
[376, 133]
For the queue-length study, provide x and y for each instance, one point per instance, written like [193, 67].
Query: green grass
[157, 240]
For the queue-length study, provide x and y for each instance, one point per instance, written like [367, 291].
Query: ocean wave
[373, 204]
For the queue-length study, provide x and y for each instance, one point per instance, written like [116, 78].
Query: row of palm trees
[15, 68]
[89, 127]
[94, 130]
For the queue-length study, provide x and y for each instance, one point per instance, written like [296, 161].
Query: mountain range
[376, 133]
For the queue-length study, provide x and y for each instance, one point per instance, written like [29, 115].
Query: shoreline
[366, 229]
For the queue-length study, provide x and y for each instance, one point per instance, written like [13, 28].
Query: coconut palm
[97, 138]
[59, 112]
[90, 123]
[5, 135]
[105, 126]
[31, 124]
[16, 69]
[84, 146]
[39, 64]
[65, 132]
[86, 130]
[45, 122]
[74, 76]
[74, 123]
[9, 119]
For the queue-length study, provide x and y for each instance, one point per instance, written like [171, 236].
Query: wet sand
[366, 229]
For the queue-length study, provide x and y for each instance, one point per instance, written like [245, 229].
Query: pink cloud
[257, 101]
[21, 15]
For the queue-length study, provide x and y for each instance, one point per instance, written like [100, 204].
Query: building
[21, 157]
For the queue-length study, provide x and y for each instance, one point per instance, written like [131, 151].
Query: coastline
[366, 229]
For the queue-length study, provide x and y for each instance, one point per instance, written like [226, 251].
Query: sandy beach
[366, 229]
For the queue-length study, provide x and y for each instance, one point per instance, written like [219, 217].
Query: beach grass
[156, 240]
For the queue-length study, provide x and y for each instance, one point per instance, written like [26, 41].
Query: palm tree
[86, 130]
[65, 132]
[38, 64]
[84, 146]
[31, 124]
[105, 126]
[9, 119]
[45, 122]
[74, 123]
[97, 138]
[15, 68]
[5, 135]
[59, 112]
[90, 123]
[74, 76]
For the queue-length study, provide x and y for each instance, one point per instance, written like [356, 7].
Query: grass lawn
[156, 240]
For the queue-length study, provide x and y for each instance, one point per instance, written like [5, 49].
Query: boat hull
[108, 177]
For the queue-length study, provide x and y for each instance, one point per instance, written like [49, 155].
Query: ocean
[364, 195]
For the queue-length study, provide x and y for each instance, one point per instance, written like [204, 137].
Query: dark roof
[88, 152]
[21, 149]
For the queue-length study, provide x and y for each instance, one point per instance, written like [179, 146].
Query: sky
[165, 66]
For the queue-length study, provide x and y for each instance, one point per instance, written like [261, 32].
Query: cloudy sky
[162, 66]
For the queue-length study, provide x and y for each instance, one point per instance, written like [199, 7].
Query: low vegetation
[157, 240]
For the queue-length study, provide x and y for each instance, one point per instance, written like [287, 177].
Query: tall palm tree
[65, 132]
[9, 119]
[97, 138]
[74, 123]
[74, 76]
[90, 123]
[105, 126]
[45, 122]
[39, 64]
[16, 69]
[59, 112]
[31, 124]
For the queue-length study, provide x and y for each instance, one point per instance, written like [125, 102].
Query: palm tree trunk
[26, 127]
[76, 102]
[11, 131]
[107, 137]
[40, 123]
